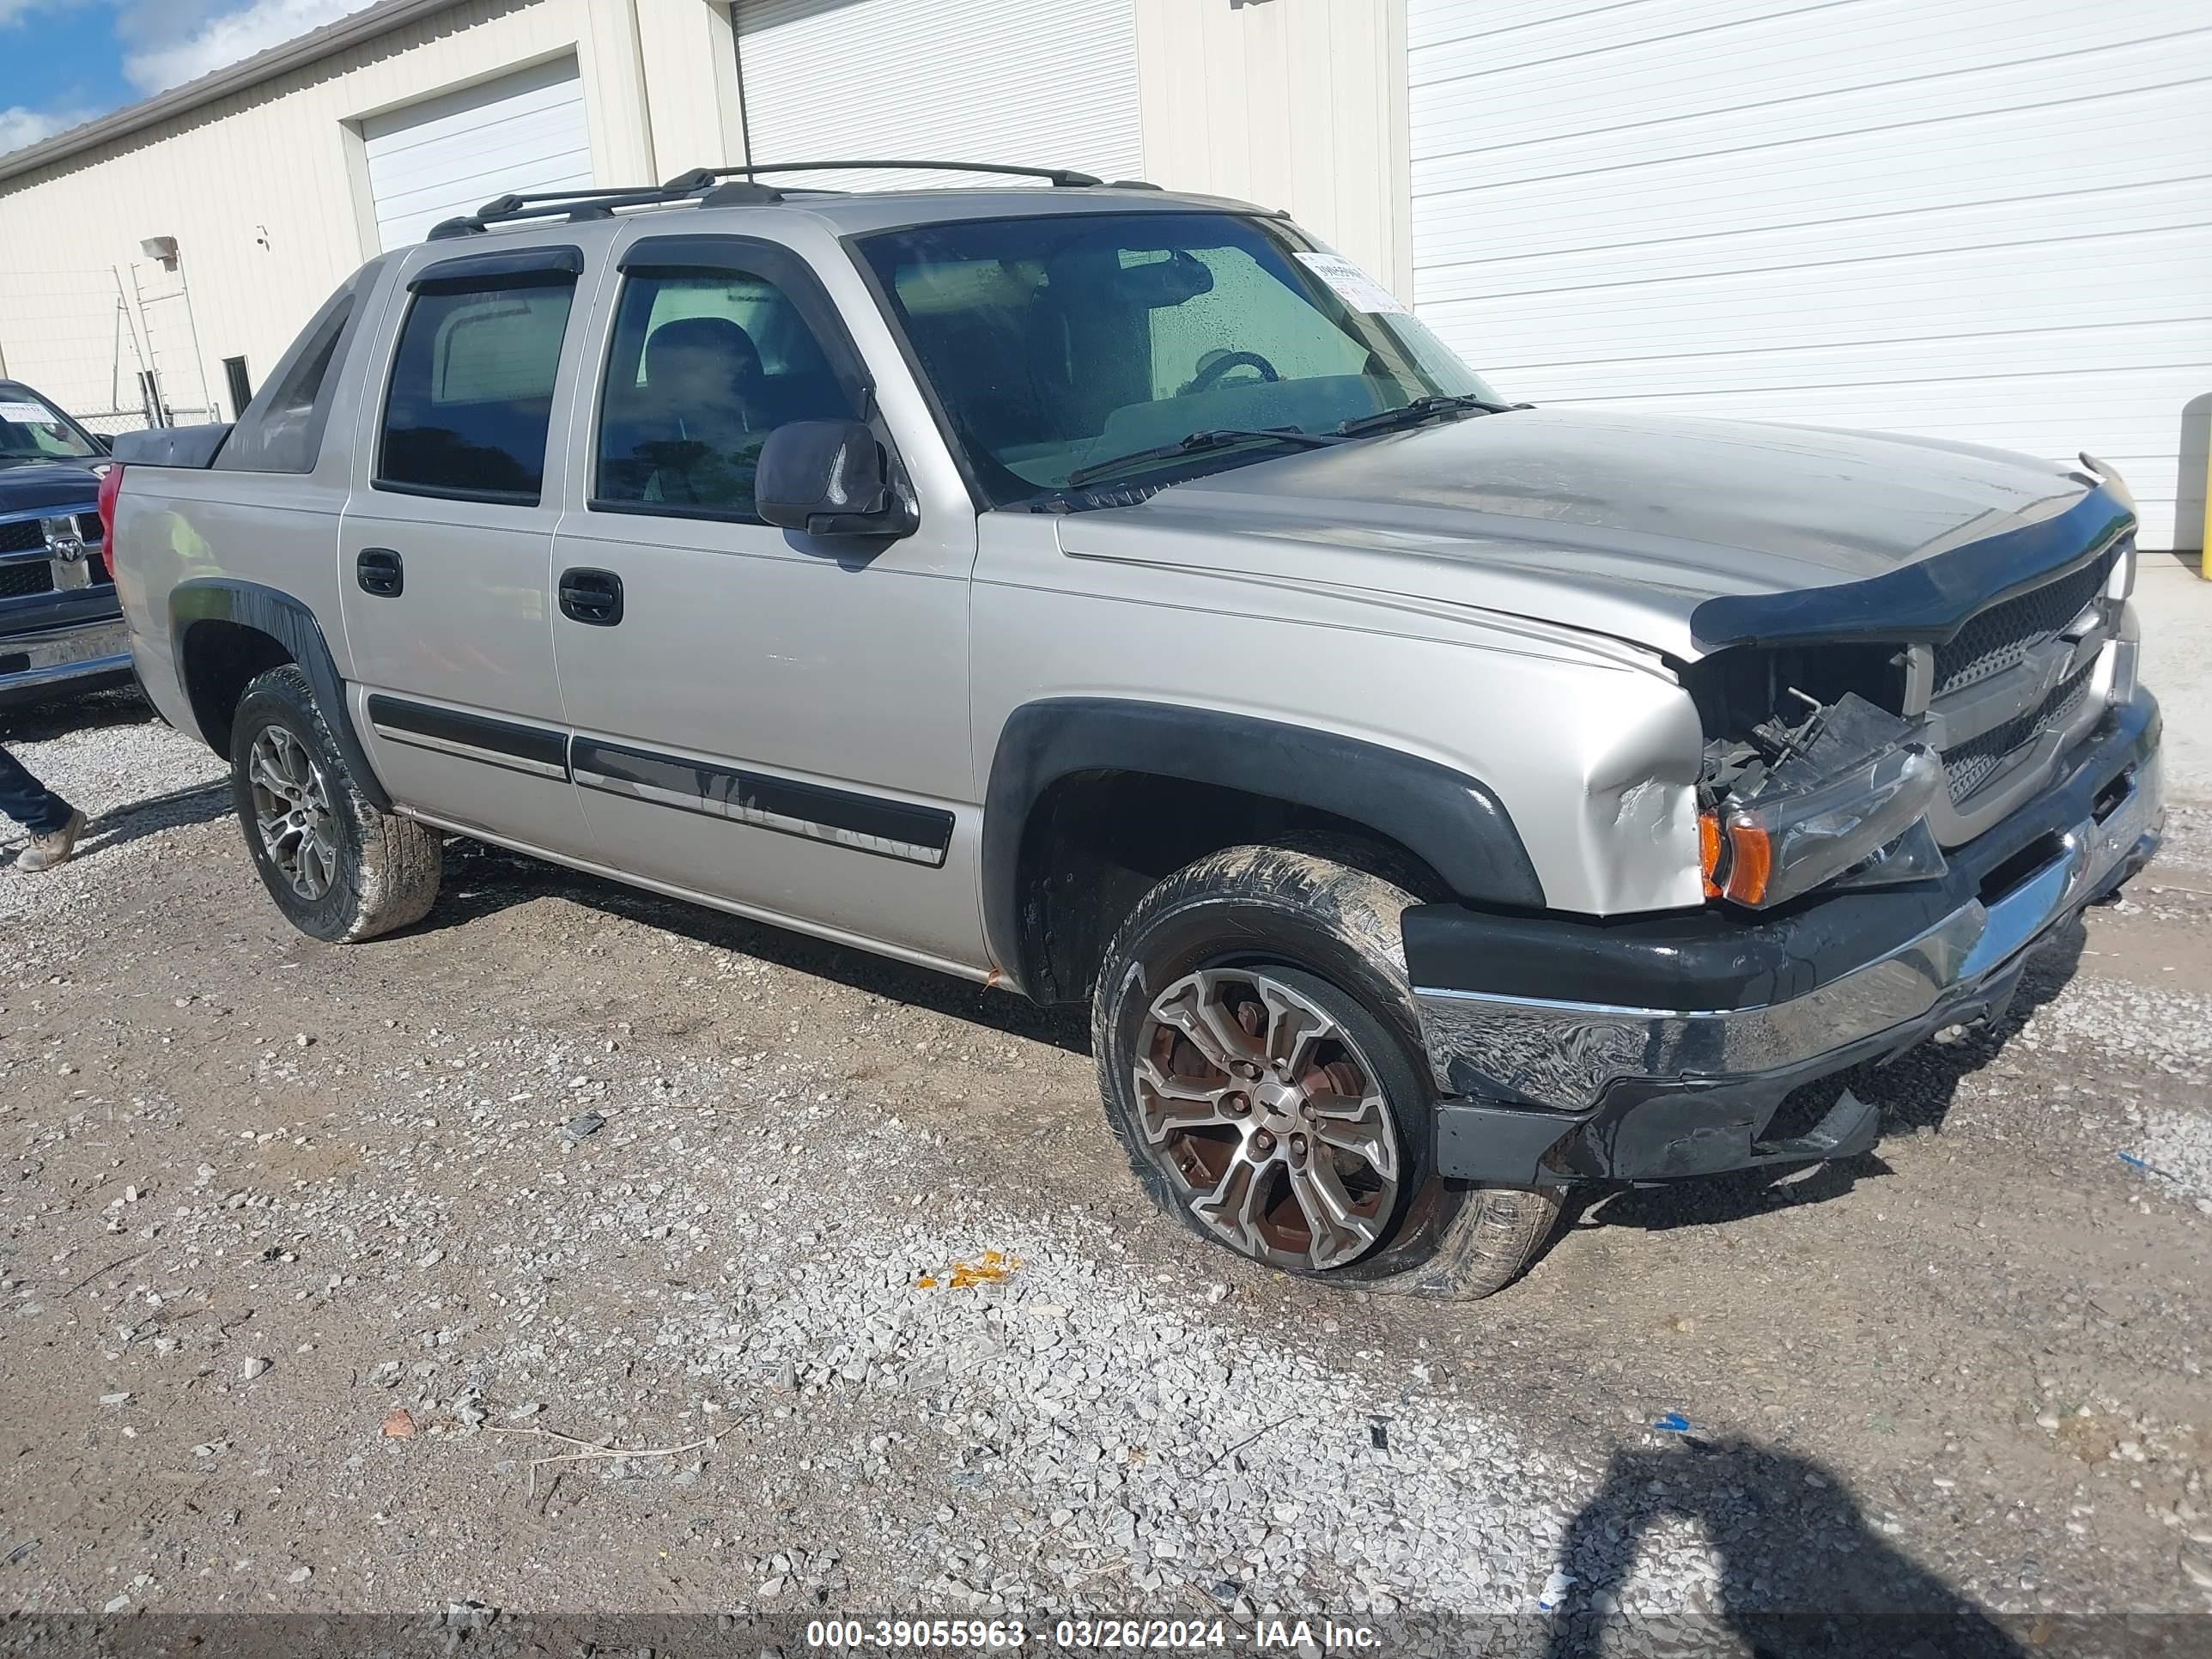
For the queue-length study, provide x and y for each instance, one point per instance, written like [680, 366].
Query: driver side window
[1243, 314]
[703, 367]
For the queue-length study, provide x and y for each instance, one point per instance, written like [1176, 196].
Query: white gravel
[137, 780]
[1076, 1435]
[520, 1235]
[2170, 1030]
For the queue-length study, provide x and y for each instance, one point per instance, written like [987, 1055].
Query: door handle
[591, 596]
[381, 571]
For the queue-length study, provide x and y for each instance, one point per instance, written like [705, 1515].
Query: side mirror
[829, 478]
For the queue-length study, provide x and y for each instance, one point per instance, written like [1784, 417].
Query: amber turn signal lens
[1709, 851]
[1751, 863]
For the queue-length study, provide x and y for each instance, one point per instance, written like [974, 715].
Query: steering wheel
[1219, 363]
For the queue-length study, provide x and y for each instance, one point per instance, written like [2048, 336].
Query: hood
[1678, 533]
[28, 484]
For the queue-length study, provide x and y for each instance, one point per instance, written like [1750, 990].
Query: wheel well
[220, 659]
[1098, 842]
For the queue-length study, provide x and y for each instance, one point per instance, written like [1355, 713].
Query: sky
[66, 61]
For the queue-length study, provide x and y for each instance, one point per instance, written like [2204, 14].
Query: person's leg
[29, 802]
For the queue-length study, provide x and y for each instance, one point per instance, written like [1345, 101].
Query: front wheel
[339, 869]
[1261, 1064]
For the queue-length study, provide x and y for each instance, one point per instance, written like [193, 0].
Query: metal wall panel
[1984, 221]
[266, 191]
[1008, 81]
[448, 155]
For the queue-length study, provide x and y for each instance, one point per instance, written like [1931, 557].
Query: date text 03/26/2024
[1160, 1635]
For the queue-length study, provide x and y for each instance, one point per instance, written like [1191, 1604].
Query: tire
[1312, 1169]
[338, 869]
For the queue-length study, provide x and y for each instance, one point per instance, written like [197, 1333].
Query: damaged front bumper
[1657, 1048]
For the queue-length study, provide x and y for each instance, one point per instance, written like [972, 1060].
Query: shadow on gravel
[202, 804]
[1802, 1574]
[1915, 1091]
[37, 722]
[1714, 1201]
[481, 881]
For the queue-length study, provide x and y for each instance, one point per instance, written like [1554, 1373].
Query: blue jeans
[28, 801]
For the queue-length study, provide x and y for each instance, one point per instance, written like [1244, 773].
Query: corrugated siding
[1006, 81]
[1983, 222]
[449, 155]
[1288, 105]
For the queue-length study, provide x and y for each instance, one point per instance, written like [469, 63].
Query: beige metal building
[278, 175]
[1982, 220]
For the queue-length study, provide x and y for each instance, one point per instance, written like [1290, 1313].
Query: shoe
[53, 847]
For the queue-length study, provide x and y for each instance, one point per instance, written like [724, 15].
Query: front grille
[2002, 635]
[87, 525]
[16, 581]
[1975, 762]
[21, 536]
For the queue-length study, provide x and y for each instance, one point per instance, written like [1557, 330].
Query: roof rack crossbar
[574, 206]
[502, 205]
[1061, 178]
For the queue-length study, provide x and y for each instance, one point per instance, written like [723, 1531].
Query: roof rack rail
[574, 206]
[699, 178]
[599, 202]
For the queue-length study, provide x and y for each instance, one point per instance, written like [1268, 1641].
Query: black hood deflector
[1926, 601]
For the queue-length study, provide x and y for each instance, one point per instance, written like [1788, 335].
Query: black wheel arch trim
[292, 625]
[1455, 822]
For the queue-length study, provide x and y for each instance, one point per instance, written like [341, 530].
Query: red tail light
[111, 486]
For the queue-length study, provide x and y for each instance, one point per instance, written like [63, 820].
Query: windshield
[1057, 345]
[32, 429]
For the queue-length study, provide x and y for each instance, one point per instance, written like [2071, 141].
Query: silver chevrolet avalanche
[1115, 596]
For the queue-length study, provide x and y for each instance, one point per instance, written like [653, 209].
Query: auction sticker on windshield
[1354, 286]
[34, 414]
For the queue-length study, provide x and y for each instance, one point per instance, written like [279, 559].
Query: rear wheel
[339, 869]
[1261, 1063]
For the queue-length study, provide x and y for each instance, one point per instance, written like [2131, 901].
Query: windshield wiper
[1422, 408]
[1219, 437]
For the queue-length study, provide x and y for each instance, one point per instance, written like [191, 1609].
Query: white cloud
[21, 127]
[215, 42]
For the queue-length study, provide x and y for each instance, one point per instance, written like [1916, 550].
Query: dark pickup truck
[60, 630]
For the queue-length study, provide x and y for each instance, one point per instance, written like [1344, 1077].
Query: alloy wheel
[292, 811]
[1262, 1111]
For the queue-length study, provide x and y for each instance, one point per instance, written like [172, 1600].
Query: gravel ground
[579, 1252]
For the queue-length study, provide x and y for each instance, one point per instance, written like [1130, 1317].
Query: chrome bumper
[1567, 1054]
[38, 662]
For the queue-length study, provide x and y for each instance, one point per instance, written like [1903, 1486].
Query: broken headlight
[1840, 797]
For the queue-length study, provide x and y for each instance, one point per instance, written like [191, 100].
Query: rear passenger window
[702, 369]
[472, 391]
[281, 430]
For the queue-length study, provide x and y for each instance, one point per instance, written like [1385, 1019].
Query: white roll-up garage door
[451, 154]
[1002, 81]
[1987, 221]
